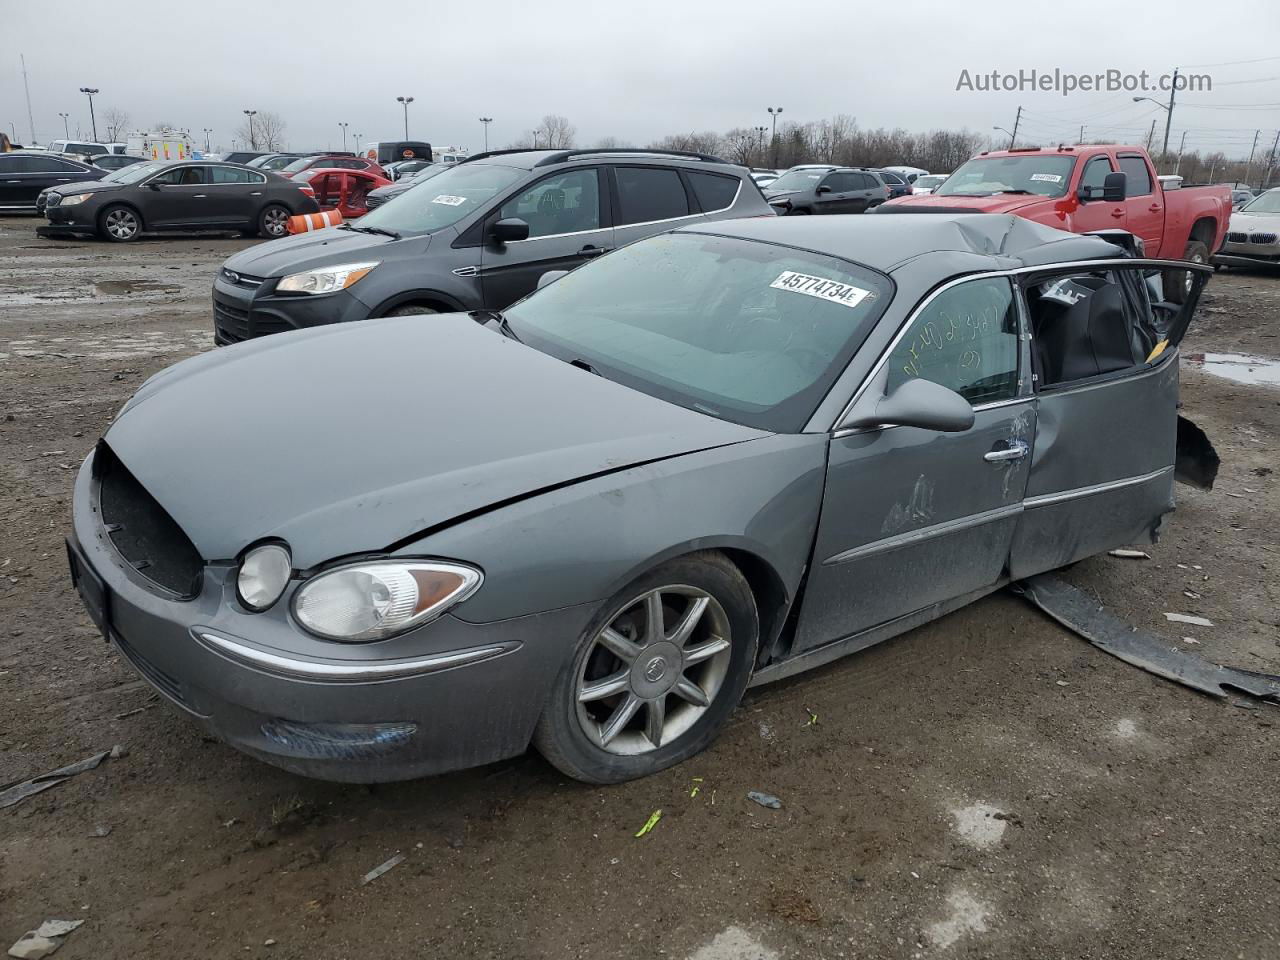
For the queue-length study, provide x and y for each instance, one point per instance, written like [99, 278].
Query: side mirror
[916, 403]
[823, 189]
[510, 230]
[551, 276]
[154, 186]
[1113, 187]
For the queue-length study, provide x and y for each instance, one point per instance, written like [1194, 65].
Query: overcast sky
[634, 71]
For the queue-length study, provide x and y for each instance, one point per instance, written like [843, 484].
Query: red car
[1085, 188]
[342, 161]
[344, 190]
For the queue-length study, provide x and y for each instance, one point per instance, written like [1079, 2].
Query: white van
[165, 145]
[78, 148]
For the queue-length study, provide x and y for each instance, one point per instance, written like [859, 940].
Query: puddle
[117, 288]
[1240, 367]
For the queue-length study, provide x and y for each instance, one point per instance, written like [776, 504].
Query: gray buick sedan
[709, 460]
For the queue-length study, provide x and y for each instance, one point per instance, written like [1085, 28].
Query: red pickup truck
[1086, 188]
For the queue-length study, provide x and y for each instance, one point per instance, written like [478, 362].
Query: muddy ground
[986, 786]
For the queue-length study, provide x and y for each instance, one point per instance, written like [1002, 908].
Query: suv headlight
[325, 279]
[378, 599]
[77, 198]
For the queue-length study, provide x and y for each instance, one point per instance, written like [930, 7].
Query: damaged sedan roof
[886, 242]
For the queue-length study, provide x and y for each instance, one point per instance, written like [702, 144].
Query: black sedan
[115, 161]
[25, 175]
[183, 195]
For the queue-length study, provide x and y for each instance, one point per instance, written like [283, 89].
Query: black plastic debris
[1082, 614]
[1195, 461]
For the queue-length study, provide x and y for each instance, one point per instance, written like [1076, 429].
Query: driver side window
[564, 203]
[965, 339]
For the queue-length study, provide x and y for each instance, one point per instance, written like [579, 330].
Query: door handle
[590, 250]
[199, 196]
[256, 193]
[64, 179]
[1154, 208]
[1118, 212]
[1014, 451]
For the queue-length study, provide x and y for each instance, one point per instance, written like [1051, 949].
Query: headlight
[77, 198]
[325, 279]
[264, 573]
[376, 600]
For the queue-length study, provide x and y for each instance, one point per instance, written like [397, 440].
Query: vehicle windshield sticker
[1047, 177]
[450, 201]
[820, 287]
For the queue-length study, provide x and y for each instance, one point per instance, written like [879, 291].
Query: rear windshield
[750, 332]
[1046, 176]
[450, 196]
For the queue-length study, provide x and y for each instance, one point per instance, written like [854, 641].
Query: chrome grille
[1236, 237]
[1262, 238]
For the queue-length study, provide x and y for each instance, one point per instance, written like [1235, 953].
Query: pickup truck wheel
[1178, 283]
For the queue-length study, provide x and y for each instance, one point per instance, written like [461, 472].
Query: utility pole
[1081, 140]
[1248, 167]
[774, 114]
[89, 92]
[253, 139]
[30, 121]
[344, 135]
[1168, 117]
[406, 101]
[486, 121]
[1181, 143]
[1151, 134]
[1017, 118]
[1271, 159]
[66, 131]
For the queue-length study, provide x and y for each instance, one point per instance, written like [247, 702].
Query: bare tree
[554, 133]
[263, 131]
[610, 143]
[117, 122]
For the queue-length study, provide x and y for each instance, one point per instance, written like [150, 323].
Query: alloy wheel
[122, 224]
[653, 670]
[276, 221]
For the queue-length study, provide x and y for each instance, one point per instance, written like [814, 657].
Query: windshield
[1268, 202]
[798, 180]
[930, 181]
[1047, 176]
[134, 172]
[454, 193]
[426, 173]
[746, 331]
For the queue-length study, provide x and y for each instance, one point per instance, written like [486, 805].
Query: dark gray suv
[827, 190]
[477, 236]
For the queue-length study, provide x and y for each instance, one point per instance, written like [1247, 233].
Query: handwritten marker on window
[650, 823]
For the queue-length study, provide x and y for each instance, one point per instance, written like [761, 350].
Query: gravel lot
[986, 786]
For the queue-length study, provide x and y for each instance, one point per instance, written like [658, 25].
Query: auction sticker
[449, 201]
[1047, 177]
[820, 287]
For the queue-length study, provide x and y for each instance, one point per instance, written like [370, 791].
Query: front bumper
[65, 220]
[247, 310]
[449, 695]
[1245, 254]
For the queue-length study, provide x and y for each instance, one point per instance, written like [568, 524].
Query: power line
[1230, 63]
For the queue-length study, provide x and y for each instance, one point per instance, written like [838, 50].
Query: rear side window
[42, 165]
[1090, 323]
[890, 177]
[841, 182]
[965, 339]
[229, 175]
[714, 192]
[646, 194]
[1138, 179]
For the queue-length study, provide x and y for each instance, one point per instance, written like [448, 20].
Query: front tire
[273, 222]
[119, 224]
[1178, 283]
[655, 675]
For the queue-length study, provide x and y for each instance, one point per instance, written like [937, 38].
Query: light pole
[1003, 130]
[1168, 113]
[774, 113]
[486, 121]
[207, 131]
[66, 131]
[344, 135]
[406, 101]
[358, 136]
[760, 132]
[253, 139]
[89, 92]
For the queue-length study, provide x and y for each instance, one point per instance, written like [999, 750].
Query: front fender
[583, 542]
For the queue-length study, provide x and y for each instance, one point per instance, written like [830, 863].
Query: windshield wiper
[386, 233]
[503, 323]
[1027, 192]
[583, 365]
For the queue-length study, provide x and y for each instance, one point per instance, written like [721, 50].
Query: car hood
[1254, 222]
[84, 186]
[276, 258]
[999, 203]
[349, 438]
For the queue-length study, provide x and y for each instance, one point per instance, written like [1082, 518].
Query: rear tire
[119, 224]
[635, 698]
[273, 222]
[1178, 283]
[410, 310]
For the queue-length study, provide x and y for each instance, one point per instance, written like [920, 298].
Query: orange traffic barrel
[307, 222]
